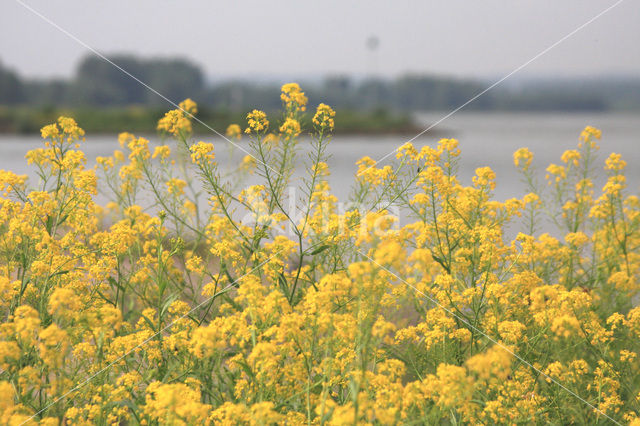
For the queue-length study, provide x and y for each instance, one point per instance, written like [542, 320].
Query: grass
[29, 120]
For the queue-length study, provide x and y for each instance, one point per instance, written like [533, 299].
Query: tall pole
[372, 43]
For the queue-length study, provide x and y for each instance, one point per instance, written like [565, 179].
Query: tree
[100, 83]
[11, 87]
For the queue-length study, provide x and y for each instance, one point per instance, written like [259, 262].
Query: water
[486, 139]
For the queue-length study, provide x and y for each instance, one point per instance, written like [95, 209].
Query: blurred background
[391, 70]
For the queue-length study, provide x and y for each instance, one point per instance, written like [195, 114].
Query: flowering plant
[185, 301]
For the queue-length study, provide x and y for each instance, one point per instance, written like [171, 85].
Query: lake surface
[486, 139]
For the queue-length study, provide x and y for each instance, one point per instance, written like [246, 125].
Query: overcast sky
[244, 38]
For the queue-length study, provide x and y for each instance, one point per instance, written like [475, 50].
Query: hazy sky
[244, 38]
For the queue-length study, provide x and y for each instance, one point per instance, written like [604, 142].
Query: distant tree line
[97, 83]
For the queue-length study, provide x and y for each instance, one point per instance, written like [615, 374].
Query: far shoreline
[25, 120]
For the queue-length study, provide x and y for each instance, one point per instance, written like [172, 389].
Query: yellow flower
[176, 186]
[189, 106]
[452, 386]
[202, 152]
[565, 325]
[577, 239]
[293, 97]
[493, 364]
[590, 132]
[571, 156]
[615, 162]
[64, 303]
[485, 177]
[175, 123]
[194, 264]
[290, 128]
[215, 316]
[559, 172]
[27, 323]
[50, 131]
[449, 146]
[323, 119]
[257, 122]
[162, 151]
[511, 331]
[54, 344]
[522, 156]
[176, 404]
[234, 132]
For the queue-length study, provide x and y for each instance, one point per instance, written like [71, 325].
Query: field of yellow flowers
[195, 298]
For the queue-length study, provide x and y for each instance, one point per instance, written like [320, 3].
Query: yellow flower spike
[271, 138]
[576, 239]
[175, 403]
[485, 177]
[559, 172]
[54, 344]
[257, 121]
[234, 132]
[452, 387]
[590, 132]
[324, 118]
[64, 303]
[248, 163]
[202, 152]
[511, 331]
[389, 253]
[522, 158]
[106, 163]
[50, 131]
[125, 138]
[162, 151]
[189, 106]
[407, 150]
[450, 146]
[175, 123]
[615, 163]
[293, 97]
[491, 365]
[10, 181]
[27, 323]
[290, 128]
[194, 264]
[176, 186]
[571, 156]
[565, 325]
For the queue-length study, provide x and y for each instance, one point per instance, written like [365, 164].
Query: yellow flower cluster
[257, 121]
[202, 151]
[290, 128]
[522, 156]
[178, 121]
[234, 132]
[323, 119]
[164, 307]
[293, 98]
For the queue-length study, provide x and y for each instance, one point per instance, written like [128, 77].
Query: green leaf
[148, 321]
[320, 249]
[59, 273]
[172, 298]
[115, 283]
[283, 284]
